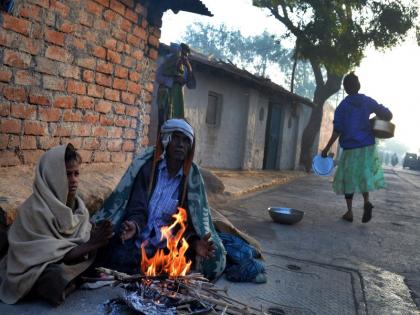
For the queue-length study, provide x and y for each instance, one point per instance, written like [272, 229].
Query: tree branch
[317, 73]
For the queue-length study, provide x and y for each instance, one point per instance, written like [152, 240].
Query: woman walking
[359, 169]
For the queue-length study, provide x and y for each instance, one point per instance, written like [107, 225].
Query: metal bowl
[285, 215]
[382, 129]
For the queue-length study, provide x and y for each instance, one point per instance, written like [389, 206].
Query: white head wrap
[172, 125]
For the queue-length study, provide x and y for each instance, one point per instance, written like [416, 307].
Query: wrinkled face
[73, 171]
[179, 146]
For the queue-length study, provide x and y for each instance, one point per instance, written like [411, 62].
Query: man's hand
[101, 234]
[204, 247]
[129, 229]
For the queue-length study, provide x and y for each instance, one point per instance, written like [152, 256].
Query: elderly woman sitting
[51, 242]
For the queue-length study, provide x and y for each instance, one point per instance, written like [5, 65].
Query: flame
[174, 263]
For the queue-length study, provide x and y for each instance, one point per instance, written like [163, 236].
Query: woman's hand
[324, 153]
[129, 229]
[101, 234]
[204, 247]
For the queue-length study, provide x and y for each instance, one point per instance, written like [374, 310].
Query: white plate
[322, 166]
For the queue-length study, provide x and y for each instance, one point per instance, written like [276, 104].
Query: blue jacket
[351, 120]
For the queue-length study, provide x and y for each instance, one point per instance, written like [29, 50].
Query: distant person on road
[394, 160]
[51, 241]
[359, 169]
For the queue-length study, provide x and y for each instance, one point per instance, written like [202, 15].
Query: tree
[259, 54]
[332, 36]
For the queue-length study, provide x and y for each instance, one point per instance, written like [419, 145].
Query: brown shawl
[45, 229]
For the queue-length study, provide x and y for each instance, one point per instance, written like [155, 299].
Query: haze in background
[391, 77]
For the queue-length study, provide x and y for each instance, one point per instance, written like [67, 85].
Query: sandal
[348, 216]
[367, 212]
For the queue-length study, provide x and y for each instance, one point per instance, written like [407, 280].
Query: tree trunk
[322, 93]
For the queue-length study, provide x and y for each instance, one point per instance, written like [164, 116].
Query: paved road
[385, 250]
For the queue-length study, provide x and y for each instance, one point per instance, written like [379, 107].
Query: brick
[103, 107]
[59, 54]
[105, 3]
[70, 115]
[117, 157]
[126, 25]
[133, 123]
[132, 111]
[85, 19]
[115, 132]
[120, 84]
[119, 34]
[111, 16]
[88, 76]
[91, 144]
[15, 93]
[3, 141]
[43, 3]
[15, 24]
[78, 43]
[110, 43]
[128, 146]
[23, 77]
[134, 76]
[62, 129]
[81, 130]
[149, 87]
[32, 156]
[101, 156]
[23, 111]
[5, 74]
[121, 72]
[4, 109]
[129, 134]
[113, 57]
[28, 143]
[133, 40]
[47, 142]
[60, 8]
[29, 45]
[99, 131]
[30, 11]
[16, 59]
[89, 63]
[69, 71]
[101, 25]
[53, 83]
[129, 62]
[139, 32]
[154, 41]
[10, 126]
[117, 6]
[91, 118]
[94, 8]
[9, 158]
[114, 145]
[49, 114]
[119, 108]
[112, 95]
[14, 142]
[128, 98]
[45, 65]
[54, 37]
[95, 90]
[75, 141]
[87, 156]
[63, 101]
[105, 120]
[153, 54]
[39, 99]
[50, 18]
[133, 87]
[123, 48]
[132, 16]
[7, 38]
[98, 51]
[67, 27]
[105, 67]
[103, 79]
[138, 54]
[35, 128]
[76, 87]
[140, 9]
[122, 122]
[85, 102]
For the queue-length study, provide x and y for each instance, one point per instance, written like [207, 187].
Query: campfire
[166, 288]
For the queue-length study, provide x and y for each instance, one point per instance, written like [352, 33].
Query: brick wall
[76, 71]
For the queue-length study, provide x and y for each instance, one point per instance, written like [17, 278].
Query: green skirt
[359, 171]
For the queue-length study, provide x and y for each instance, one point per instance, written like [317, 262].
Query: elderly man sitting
[160, 180]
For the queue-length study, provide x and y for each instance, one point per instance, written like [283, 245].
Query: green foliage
[334, 34]
[254, 53]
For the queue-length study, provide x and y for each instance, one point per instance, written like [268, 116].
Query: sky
[391, 77]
